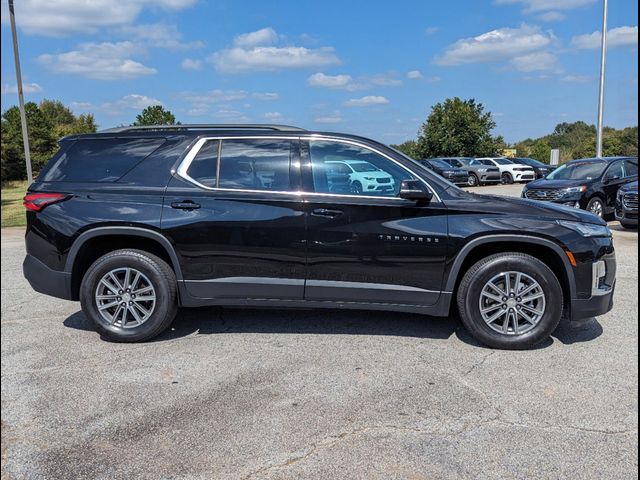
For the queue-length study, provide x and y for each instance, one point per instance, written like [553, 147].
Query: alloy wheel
[512, 303]
[125, 297]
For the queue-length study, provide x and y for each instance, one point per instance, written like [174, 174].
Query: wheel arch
[94, 243]
[552, 254]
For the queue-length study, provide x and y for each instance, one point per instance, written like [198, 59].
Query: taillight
[37, 201]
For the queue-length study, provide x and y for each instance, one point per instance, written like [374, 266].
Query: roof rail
[204, 126]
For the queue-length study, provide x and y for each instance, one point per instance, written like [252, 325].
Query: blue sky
[369, 67]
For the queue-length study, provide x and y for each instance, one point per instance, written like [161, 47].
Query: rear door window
[255, 165]
[631, 168]
[204, 166]
[99, 160]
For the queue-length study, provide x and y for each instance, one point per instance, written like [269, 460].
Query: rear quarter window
[99, 160]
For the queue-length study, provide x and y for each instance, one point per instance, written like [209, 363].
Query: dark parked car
[627, 205]
[136, 221]
[442, 168]
[590, 184]
[479, 173]
[541, 169]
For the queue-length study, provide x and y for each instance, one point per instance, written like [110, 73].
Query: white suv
[365, 177]
[510, 172]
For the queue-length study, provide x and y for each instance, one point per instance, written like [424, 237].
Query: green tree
[42, 141]
[155, 115]
[540, 150]
[46, 123]
[458, 127]
[410, 148]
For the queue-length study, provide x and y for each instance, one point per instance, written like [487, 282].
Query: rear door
[370, 246]
[613, 179]
[236, 218]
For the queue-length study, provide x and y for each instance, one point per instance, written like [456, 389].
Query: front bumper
[45, 280]
[490, 178]
[603, 285]
[524, 176]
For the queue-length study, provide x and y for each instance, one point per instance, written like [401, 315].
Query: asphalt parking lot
[250, 394]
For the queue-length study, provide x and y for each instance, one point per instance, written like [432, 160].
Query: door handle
[186, 205]
[326, 212]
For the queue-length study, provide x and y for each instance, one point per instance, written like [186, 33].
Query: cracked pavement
[250, 394]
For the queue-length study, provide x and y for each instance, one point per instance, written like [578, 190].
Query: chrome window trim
[184, 165]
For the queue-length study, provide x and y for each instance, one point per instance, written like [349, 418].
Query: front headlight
[370, 179]
[580, 189]
[483, 170]
[587, 229]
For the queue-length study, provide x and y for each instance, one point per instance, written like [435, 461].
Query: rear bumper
[44, 280]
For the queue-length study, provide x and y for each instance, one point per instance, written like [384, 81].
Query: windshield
[363, 167]
[531, 162]
[504, 161]
[440, 164]
[578, 171]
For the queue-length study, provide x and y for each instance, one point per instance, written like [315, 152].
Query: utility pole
[603, 59]
[23, 116]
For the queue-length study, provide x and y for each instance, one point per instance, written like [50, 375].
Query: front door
[365, 244]
[236, 221]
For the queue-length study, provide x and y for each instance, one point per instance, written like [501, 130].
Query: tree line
[462, 128]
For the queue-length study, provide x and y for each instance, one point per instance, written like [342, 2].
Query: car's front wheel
[129, 295]
[507, 178]
[510, 300]
[596, 206]
[473, 181]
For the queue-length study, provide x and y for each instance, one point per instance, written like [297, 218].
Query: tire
[356, 187]
[473, 181]
[506, 179]
[629, 226]
[596, 204]
[475, 282]
[130, 324]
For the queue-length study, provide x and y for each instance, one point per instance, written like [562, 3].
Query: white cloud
[329, 119]
[158, 35]
[535, 6]
[264, 36]
[213, 96]
[98, 61]
[347, 82]
[616, 37]
[265, 96]
[536, 62]
[577, 78]
[552, 16]
[496, 45]
[256, 51]
[415, 75]
[367, 101]
[69, 17]
[28, 88]
[273, 115]
[330, 81]
[133, 101]
[191, 64]
[431, 30]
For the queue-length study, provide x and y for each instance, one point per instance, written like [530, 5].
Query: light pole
[23, 116]
[603, 59]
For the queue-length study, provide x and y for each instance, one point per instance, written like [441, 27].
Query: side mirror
[414, 190]
[612, 179]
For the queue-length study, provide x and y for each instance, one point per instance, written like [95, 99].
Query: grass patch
[13, 213]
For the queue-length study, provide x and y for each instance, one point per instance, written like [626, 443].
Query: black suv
[627, 205]
[134, 222]
[591, 184]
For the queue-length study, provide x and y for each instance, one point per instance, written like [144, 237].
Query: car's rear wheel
[510, 301]
[473, 181]
[507, 178]
[596, 206]
[129, 295]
